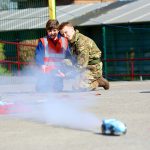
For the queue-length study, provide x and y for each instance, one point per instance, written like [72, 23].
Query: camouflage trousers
[87, 80]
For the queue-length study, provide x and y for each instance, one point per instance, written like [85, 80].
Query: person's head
[67, 30]
[52, 28]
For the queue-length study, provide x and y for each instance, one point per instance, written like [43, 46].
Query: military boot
[103, 83]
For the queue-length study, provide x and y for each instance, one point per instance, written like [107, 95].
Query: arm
[39, 54]
[67, 53]
[83, 54]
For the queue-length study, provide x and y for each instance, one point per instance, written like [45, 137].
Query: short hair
[52, 24]
[63, 24]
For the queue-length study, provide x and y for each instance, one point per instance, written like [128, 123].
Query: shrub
[27, 53]
[2, 56]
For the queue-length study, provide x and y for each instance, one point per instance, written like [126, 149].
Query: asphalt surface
[73, 119]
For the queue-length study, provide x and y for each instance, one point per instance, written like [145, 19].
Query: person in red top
[49, 54]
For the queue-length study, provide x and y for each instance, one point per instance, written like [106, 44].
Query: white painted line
[129, 12]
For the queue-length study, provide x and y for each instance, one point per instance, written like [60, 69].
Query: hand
[43, 67]
[67, 62]
[47, 69]
[60, 74]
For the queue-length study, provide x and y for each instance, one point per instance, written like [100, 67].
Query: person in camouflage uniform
[85, 56]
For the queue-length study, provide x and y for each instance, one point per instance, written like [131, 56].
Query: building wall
[44, 3]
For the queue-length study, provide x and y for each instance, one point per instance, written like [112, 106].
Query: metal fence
[17, 56]
[117, 68]
[126, 50]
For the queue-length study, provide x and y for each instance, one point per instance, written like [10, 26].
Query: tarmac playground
[76, 125]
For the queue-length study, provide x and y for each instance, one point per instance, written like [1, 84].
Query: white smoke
[68, 114]
[53, 109]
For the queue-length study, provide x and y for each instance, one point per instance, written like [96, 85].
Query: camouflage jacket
[84, 50]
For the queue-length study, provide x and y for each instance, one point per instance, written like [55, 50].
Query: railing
[132, 73]
[15, 60]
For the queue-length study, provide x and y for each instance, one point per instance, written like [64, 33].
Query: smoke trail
[58, 112]
[63, 112]
[67, 114]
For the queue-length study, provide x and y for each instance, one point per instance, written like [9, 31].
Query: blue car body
[113, 127]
